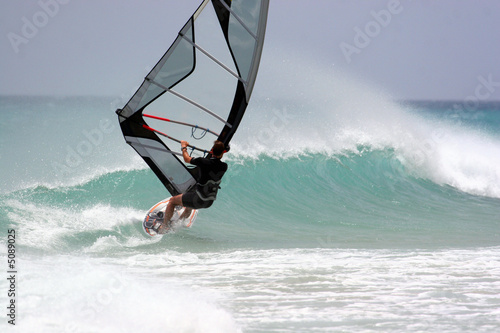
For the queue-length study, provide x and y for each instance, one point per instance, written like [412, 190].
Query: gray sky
[447, 49]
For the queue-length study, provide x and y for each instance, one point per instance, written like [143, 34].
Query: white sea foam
[328, 112]
[349, 290]
[288, 290]
[47, 227]
[80, 294]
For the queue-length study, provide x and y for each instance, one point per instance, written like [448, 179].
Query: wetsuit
[203, 194]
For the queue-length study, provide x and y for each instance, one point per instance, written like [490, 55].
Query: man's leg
[187, 212]
[169, 211]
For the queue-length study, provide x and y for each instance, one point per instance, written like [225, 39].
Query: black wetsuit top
[209, 168]
[204, 193]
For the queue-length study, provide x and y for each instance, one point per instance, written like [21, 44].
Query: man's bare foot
[186, 214]
[164, 227]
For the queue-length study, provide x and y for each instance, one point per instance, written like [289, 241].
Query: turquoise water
[382, 219]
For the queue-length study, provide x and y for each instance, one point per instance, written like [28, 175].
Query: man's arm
[185, 154]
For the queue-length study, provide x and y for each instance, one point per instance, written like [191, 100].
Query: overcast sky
[413, 49]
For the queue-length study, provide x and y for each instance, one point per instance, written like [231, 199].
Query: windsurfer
[203, 194]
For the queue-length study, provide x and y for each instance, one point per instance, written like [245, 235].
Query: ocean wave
[363, 199]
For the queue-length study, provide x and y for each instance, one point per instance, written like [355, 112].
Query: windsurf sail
[199, 90]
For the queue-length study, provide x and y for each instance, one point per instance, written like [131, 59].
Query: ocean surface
[352, 215]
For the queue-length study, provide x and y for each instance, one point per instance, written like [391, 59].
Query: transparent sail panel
[242, 42]
[167, 163]
[173, 67]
